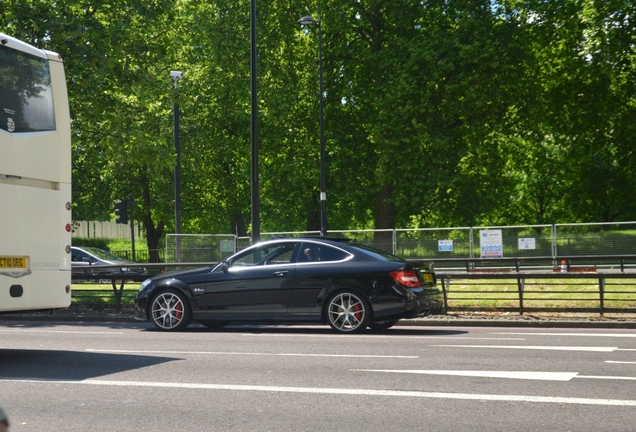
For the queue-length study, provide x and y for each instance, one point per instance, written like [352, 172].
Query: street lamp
[307, 21]
[176, 76]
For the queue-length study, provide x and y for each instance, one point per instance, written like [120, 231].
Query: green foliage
[100, 243]
[437, 113]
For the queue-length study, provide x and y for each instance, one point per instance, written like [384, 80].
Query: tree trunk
[384, 218]
[313, 213]
[152, 238]
[238, 225]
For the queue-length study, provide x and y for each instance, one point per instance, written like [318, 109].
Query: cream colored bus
[35, 179]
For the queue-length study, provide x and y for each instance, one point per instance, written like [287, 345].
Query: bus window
[26, 97]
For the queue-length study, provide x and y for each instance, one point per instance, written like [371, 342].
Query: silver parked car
[84, 258]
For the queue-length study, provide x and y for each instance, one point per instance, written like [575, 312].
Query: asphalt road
[122, 376]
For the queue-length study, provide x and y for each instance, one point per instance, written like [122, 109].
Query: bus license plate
[13, 262]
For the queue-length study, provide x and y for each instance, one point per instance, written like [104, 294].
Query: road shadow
[52, 323]
[318, 330]
[69, 365]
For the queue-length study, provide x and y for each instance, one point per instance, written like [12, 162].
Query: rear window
[26, 97]
[377, 253]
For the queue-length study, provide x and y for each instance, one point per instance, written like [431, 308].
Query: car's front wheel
[170, 311]
[348, 312]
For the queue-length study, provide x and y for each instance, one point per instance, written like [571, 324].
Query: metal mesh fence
[595, 239]
[199, 247]
[434, 243]
[439, 244]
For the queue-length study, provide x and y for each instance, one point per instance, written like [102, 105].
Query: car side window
[311, 252]
[266, 255]
[80, 256]
[328, 253]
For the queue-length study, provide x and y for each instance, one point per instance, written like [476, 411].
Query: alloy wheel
[347, 312]
[169, 311]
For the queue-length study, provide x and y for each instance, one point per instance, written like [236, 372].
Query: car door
[257, 285]
[317, 265]
[80, 262]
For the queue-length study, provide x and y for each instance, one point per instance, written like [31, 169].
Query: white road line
[630, 335]
[373, 336]
[250, 354]
[608, 377]
[548, 348]
[620, 362]
[542, 376]
[344, 391]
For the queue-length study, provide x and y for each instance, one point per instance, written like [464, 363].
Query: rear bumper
[431, 307]
[430, 302]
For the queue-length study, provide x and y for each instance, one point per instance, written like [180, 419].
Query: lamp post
[176, 76]
[306, 21]
[256, 197]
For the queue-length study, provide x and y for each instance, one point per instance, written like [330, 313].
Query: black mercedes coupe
[334, 281]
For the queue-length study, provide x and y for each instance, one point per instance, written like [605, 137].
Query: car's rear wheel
[348, 312]
[170, 311]
[383, 325]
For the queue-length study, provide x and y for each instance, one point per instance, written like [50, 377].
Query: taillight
[407, 278]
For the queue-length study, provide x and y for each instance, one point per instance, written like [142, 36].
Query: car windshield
[369, 250]
[102, 254]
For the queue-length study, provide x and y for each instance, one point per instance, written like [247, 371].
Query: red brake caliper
[357, 314]
[178, 311]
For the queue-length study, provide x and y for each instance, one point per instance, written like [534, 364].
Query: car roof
[347, 244]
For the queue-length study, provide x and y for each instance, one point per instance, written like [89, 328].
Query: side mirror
[225, 267]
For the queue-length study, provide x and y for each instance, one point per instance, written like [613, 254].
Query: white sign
[227, 246]
[491, 243]
[445, 245]
[527, 243]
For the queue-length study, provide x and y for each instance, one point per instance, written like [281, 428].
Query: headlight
[144, 284]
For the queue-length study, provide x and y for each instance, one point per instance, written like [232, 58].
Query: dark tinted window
[376, 252]
[26, 97]
[315, 252]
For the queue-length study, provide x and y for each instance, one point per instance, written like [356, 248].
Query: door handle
[280, 273]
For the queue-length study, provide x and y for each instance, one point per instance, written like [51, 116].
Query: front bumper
[140, 309]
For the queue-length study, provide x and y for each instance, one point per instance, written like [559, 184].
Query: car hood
[184, 274]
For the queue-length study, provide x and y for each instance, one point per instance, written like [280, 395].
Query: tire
[383, 325]
[348, 312]
[213, 325]
[170, 311]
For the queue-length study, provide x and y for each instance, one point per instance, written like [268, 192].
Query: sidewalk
[481, 319]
